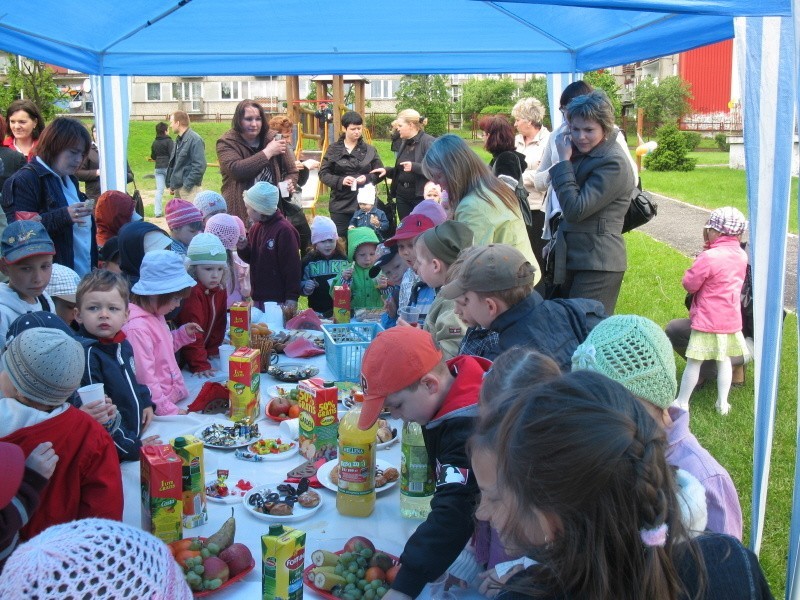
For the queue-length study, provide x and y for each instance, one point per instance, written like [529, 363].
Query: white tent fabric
[112, 117]
[556, 82]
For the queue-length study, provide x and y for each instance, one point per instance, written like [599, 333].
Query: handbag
[522, 195]
[138, 203]
[390, 208]
[642, 209]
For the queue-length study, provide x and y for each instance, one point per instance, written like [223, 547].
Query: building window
[383, 88]
[190, 91]
[231, 90]
[154, 92]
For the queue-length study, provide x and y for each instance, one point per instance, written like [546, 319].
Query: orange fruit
[294, 411]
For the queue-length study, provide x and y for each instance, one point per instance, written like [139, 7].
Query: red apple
[279, 406]
[238, 558]
[357, 543]
[215, 568]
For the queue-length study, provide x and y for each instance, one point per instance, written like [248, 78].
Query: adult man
[188, 161]
[324, 117]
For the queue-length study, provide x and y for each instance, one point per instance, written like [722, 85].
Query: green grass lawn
[710, 158]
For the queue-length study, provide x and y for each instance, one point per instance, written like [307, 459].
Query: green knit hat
[206, 249]
[632, 351]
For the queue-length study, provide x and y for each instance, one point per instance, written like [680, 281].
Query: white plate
[384, 445]
[324, 475]
[237, 442]
[279, 456]
[235, 495]
[300, 512]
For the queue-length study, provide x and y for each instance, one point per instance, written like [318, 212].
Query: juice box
[190, 450]
[240, 324]
[341, 304]
[244, 382]
[162, 495]
[319, 419]
[283, 558]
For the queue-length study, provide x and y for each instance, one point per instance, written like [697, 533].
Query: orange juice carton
[162, 493]
[244, 382]
[240, 324]
[190, 450]
[283, 558]
[319, 419]
[341, 303]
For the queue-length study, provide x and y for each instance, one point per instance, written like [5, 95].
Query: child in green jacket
[362, 244]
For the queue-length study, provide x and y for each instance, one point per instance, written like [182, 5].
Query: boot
[739, 373]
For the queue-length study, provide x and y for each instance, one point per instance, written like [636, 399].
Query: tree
[537, 88]
[478, 93]
[427, 94]
[31, 79]
[663, 102]
[671, 152]
[605, 81]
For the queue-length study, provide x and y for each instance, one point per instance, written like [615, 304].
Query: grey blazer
[594, 191]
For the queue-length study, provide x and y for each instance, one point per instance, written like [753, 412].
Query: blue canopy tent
[114, 39]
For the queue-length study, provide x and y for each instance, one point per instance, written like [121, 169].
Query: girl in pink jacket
[716, 279]
[162, 285]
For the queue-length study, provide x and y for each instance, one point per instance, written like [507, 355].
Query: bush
[670, 155]
[380, 124]
[496, 110]
[692, 139]
[722, 142]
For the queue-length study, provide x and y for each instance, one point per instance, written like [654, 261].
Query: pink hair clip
[657, 536]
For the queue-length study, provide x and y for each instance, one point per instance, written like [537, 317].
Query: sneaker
[723, 409]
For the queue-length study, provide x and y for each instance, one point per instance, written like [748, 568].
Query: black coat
[408, 185]
[511, 163]
[338, 163]
[161, 150]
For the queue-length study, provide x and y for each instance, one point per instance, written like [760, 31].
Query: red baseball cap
[410, 227]
[13, 460]
[410, 347]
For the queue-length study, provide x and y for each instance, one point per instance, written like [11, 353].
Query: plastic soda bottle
[356, 493]
[416, 475]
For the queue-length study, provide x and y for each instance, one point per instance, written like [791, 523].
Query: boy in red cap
[442, 397]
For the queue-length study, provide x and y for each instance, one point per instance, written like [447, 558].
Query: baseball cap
[22, 239]
[447, 240]
[491, 268]
[383, 259]
[411, 347]
[410, 227]
[63, 283]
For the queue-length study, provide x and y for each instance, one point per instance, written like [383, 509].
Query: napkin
[300, 347]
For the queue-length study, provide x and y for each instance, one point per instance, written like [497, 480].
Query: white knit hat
[262, 198]
[206, 249]
[366, 194]
[323, 228]
[210, 202]
[93, 558]
[226, 228]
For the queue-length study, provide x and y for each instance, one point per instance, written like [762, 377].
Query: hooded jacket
[131, 247]
[12, 306]
[112, 364]
[363, 291]
[113, 210]
[207, 308]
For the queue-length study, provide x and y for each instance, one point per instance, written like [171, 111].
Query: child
[362, 244]
[432, 191]
[41, 369]
[24, 482]
[230, 229]
[436, 249]
[271, 248]
[27, 253]
[108, 256]
[62, 287]
[576, 468]
[432, 210]
[494, 289]
[391, 267]
[368, 215]
[442, 397]
[136, 240]
[72, 561]
[114, 209]
[716, 279]
[635, 352]
[207, 302]
[184, 222]
[162, 284]
[321, 264]
[413, 291]
[102, 302]
[210, 203]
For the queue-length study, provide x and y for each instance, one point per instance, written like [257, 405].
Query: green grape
[351, 578]
[213, 584]
[369, 594]
[380, 592]
[213, 548]
[361, 584]
[361, 561]
[205, 553]
[349, 587]
[366, 553]
[195, 545]
[376, 583]
[348, 596]
[360, 573]
[192, 576]
[352, 567]
[345, 558]
[199, 569]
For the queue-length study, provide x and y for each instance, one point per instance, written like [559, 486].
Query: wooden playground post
[292, 96]
[639, 130]
[338, 102]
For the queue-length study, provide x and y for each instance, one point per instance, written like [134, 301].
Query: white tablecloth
[325, 529]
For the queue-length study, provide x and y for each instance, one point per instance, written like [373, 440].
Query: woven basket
[265, 345]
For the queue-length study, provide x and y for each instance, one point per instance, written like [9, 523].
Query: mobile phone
[278, 136]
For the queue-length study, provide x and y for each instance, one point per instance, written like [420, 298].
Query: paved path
[678, 224]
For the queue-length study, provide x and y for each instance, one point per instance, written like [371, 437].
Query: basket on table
[266, 345]
[345, 344]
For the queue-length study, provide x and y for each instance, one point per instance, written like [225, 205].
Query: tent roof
[213, 37]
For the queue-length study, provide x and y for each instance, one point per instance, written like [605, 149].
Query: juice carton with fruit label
[283, 559]
[162, 493]
[190, 450]
[244, 382]
[341, 303]
[319, 419]
[240, 324]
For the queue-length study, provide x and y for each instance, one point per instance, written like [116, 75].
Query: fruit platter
[282, 403]
[213, 563]
[358, 570]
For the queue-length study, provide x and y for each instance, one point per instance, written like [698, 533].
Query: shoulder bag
[642, 209]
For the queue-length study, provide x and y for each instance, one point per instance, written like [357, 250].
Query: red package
[302, 348]
[307, 319]
[24, 215]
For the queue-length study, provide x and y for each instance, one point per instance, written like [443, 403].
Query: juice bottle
[356, 494]
[416, 475]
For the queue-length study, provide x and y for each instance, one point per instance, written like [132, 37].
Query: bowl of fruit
[282, 403]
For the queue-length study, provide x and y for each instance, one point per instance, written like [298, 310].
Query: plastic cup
[354, 186]
[225, 351]
[290, 428]
[283, 186]
[409, 314]
[91, 393]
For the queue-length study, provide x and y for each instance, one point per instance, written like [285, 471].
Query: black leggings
[342, 221]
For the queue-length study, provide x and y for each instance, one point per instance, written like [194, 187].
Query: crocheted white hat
[93, 558]
[226, 228]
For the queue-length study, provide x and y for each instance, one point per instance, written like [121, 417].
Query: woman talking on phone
[594, 184]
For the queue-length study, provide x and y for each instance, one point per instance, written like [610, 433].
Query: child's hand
[374, 221]
[401, 322]
[193, 329]
[207, 374]
[183, 411]
[147, 417]
[241, 243]
[98, 410]
[153, 440]
[383, 282]
[490, 579]
[42, 459]
[309, 287]
[347, 274]
[390, 306]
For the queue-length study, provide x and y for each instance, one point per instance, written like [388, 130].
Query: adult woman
[10, 159]
[248, 153]
[618, 506]
[161, 151]
[532, 141]
[349, 163]
[25, 125]
[594, 184]
[47, 186]
[475, 196]
[89, 172]
[499, 142]
[408, 181]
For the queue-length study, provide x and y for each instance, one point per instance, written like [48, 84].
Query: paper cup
[290, 428]
[409, 314]
[284, 188]
[91, 393]
[225, 351]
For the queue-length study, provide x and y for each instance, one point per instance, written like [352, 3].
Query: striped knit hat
[206, 249]
[180, 212]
